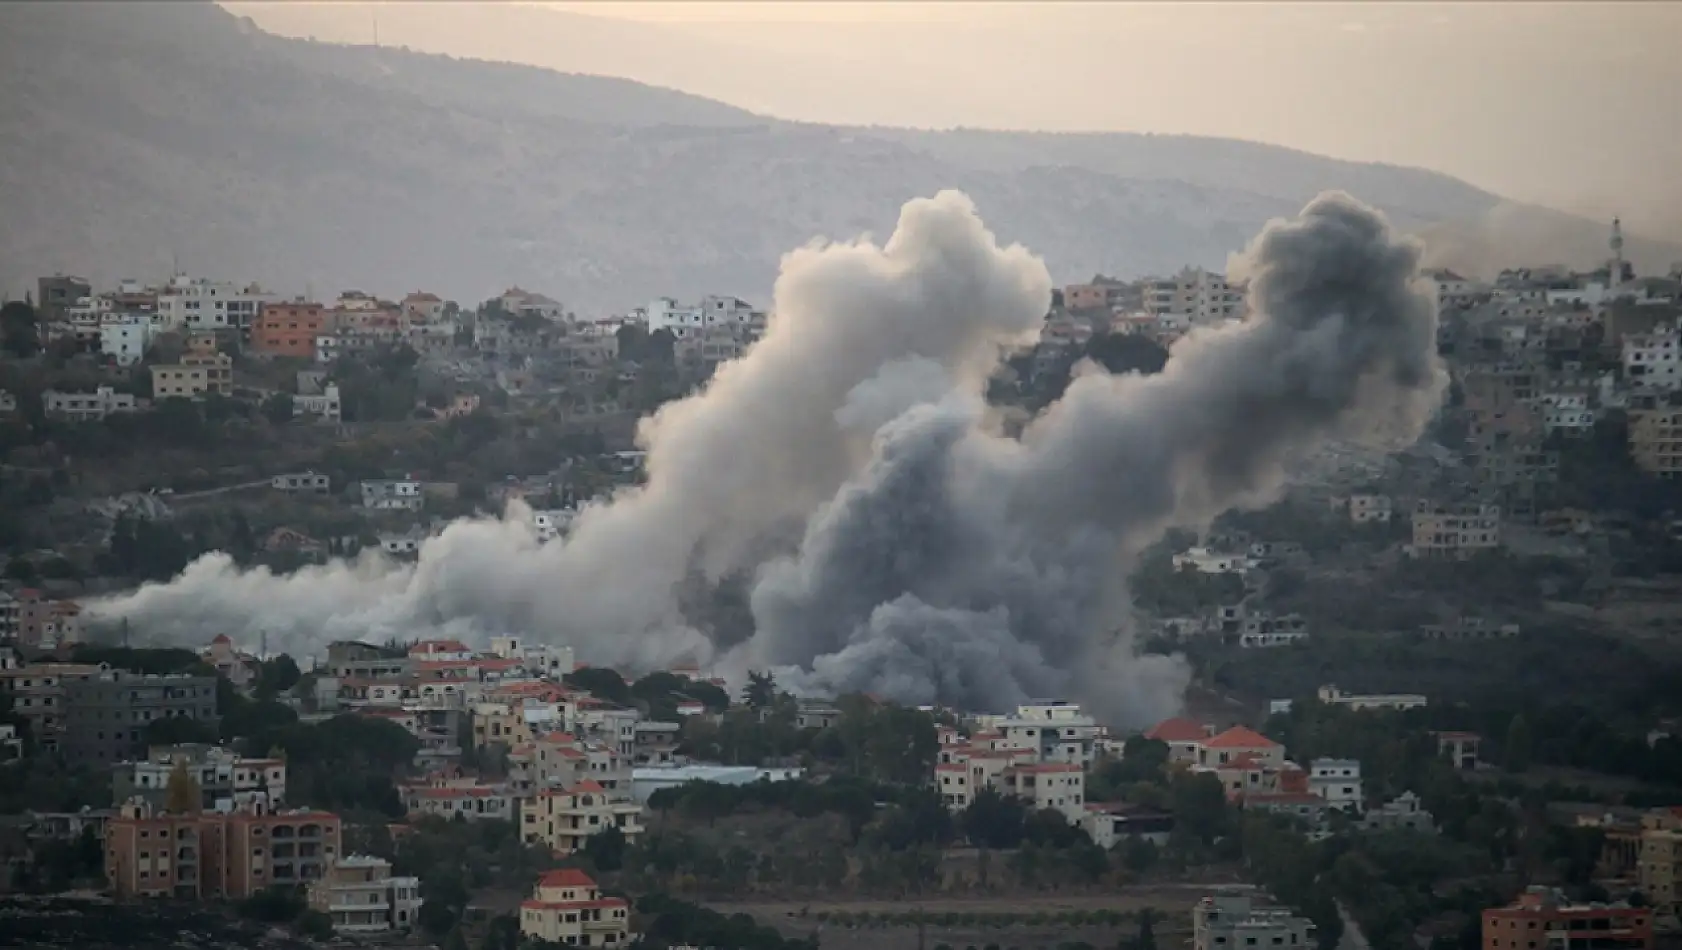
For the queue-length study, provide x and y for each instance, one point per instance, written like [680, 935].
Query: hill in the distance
[135, 138]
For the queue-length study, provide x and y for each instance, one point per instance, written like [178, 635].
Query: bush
[273, 905]
[314, 923]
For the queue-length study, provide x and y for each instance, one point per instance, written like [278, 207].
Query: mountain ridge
[137, 137]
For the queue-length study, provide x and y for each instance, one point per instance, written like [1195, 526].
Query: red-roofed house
[1183, 736]
[1238, 741]
[467, 797]
[562, 819]
[566, 907]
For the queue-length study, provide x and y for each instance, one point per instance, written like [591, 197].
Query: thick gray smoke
[963, 566]
[932, 557]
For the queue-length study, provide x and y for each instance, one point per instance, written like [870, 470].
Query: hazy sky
[1573, 105]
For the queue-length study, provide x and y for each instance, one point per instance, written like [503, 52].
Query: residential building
[1338, 781]
[325, 404]
[11, 744]
[1183, 736]
[423, 307]
[656, 743]
[202, 369]
[1655, 439]
[1654, 360]
[1110, 823]
[1461, 748]
[42, 622]
[1365, 509]
[55, 295]
[551, 523]
[1569, 414]
[216, 854]
[1333, 696]
[1234, 921]
[1236, 742]
[1206, 561]
[1660, 867]
[1541, 917]
[1059, 786]
[197, 304]
[238, 668]
[403, 494]
[1451, 290]
[360, 895]
[85, 407]
[561, 819]
[288, 329]
[687, 320]
[226, 781]
[1194, 297]
[1405, 811]
[566, 907]
[460, 797]
[309, 483]
[124, 338]
[1455, 532]
[524, 303]
[40, 692]
[106, 715]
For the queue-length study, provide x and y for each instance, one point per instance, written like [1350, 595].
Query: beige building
[1194, 297]
[1455, 533]
[1661, 853]
[1655, 440]
[360, 896]
[562, 819]
[567, 907]
[195, 375]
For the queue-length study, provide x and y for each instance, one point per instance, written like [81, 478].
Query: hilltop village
[1436, 695]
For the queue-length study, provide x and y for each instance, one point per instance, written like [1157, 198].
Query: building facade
[106, 715]
[1238, 922]
[360, 895]
[1541, 918]
[288, 329]
[566, 907]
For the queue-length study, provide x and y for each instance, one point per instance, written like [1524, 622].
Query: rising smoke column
[856, 335]
[962, 566]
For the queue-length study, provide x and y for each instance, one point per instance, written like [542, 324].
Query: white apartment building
[85, 407]
[551, 523]
[1237, 922]
[546, 658]
[1194, 297]
[1567, 413]
[1450, 289]
[1059, 786]
[226, 780]
[360, 895]
[1654, 360]
[1338, 781]
[189, 303]
[309, 483]
[1333, 696]
[1455, 532]
[125, 338]
[401, 494]
[325, 404]
[686, 320]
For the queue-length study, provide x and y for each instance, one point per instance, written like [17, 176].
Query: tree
[606, 849]
[1147, 932]
[1516, 755]
[278, 409]
[20, 334]
[182, 794]
[761, 690]
[278, 675]
[600, 682]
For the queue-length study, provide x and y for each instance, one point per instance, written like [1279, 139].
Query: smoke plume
[919, 552]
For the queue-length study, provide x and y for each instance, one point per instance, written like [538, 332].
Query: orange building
[231, 855]
[1541, 920]
[289, 329]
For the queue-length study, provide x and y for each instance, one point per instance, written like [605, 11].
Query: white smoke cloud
[898, 542]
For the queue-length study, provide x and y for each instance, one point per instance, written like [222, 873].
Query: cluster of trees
[674, 922]
[656, 695]
[455, 858]
[57, 865]
[880, 742]
[148, 550]
[280, 904]
[20, 334]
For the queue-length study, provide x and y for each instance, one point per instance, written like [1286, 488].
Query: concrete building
[202, 369]
[1237, 742]
[1655, 440]
[561, 819]
[464, 798]
[1110, 823]
[226, 781]
[402, 494]
[106, 715]
[1660, 867]
[213, 854]
[307, 483]
[39, 693]
[1237, 922]
[566, 907]
[1183, 737]
[1455, 532]
[1654, 360]
[1332, 696]
[124, 338]
[197, 304]
[288, 329]
[1365, 509]
[325, 404]
[1205, 561]
[1461, 748]
[1194, 297]
[551, 523]
[55, 295]
[1338, 781]
[1058, 786]
[1542, 916]
[360, 895]
[1405, 811]
[85, 407]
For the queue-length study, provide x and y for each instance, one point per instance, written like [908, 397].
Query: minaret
[1615, 277]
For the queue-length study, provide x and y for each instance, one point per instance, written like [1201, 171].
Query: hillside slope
[139, 137]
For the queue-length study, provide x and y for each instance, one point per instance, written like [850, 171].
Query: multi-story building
[55, 295]
[1182, 736]
[1338, 781]
[566, 907]
[402, 494]
[226, 781]
[85, 407]
[124, 338]
[1541, 916]
[562, 819]
[39, 693]
[42, 622]
[1455, 532]
[1655, 439]
[465, 798]
[1239, 742]
[288, 329]
[1654, 360]
[216, 854]
[423, 307]
[325, 404]
[1661, 860]
[152, 854]
[1365, 509]
[360, 895]
[197, 304]
[307, 483]
[687, 320]
[551, 523]
[1237, 922]
[202, 369]
[1194, 297]
[1058, 786]
[1332, 696]
[106, 715]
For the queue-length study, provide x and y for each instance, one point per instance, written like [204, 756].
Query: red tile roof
[586, 787]
[1178, 730]
[566, 877]
[1240, 737]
